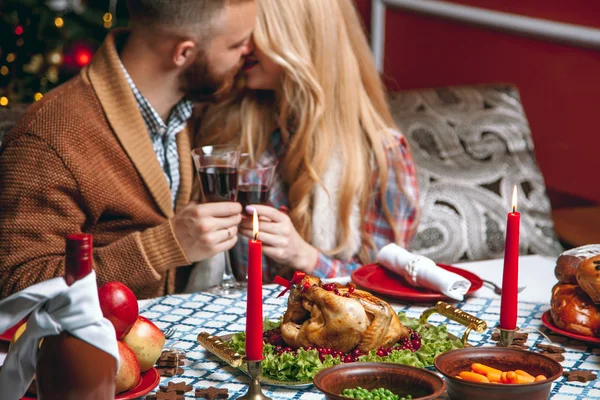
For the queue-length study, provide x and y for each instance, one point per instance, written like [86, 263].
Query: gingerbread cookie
[548, 348]
[212, 393]
[580, 376]
[165, 396]
[172, 355]
[170, 364]
[177, 387]
[169, 372]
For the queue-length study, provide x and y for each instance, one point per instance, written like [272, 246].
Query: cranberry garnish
[416, 344]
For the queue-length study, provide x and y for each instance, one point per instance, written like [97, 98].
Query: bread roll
[573, 310]
[588, 277]
[569, 261]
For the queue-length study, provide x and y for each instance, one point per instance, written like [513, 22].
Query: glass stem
[228, 273]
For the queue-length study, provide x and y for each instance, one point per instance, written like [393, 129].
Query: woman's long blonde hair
[331, 99]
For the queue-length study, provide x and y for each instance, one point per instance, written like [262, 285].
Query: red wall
[559, 84]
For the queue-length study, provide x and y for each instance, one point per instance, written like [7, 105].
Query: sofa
[471, 145]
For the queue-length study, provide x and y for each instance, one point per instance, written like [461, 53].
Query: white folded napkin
[54, 308]
[420, 271]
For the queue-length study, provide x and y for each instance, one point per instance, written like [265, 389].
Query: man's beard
[201, 84]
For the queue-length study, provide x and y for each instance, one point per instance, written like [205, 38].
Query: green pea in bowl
[396, 380]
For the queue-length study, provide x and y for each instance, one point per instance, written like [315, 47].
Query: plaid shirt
[401, 208]
[163, 135]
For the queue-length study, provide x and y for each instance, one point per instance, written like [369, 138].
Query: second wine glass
[254, 187]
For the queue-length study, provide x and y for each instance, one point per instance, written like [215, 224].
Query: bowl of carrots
[497, 373]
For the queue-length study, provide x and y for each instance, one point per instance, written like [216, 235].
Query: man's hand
[204, 230]
[281, 242]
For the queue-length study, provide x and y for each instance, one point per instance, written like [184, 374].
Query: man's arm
[40, 203]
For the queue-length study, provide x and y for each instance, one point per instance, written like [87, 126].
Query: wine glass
[217, 168]
[254, 187]
[254, 181]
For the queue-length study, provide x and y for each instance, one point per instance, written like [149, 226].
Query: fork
[169, 333]
[498, 289]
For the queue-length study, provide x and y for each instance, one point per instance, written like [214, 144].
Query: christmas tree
[45, 43]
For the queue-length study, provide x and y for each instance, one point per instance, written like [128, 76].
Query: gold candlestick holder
[507, 336]
[254, 390]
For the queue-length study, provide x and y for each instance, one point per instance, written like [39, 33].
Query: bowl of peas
[378, 381]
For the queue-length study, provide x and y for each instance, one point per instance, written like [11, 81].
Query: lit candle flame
[514, 199]
[255, 225]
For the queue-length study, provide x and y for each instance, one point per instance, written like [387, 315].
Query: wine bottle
[69, 368]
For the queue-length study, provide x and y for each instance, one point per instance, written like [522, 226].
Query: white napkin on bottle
[421, 271]
[54, 308]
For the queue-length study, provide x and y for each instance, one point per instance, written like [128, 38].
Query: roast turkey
[339, 317]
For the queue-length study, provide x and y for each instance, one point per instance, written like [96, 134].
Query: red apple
[146, 341]
[119, 306]
[129, 369]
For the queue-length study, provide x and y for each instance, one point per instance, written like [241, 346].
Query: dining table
[225, 314]
[199, 312]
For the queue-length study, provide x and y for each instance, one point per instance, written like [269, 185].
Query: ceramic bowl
[451, 363]
[400, 379]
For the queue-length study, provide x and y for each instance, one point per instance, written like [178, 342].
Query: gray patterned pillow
[471, 145]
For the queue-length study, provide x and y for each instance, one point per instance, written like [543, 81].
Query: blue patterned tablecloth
[220, 315]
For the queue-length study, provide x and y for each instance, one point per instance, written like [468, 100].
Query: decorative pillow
[471, 145]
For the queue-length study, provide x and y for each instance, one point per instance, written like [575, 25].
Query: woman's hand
[281, 242]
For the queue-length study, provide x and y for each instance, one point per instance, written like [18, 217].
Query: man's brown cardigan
[81, 160]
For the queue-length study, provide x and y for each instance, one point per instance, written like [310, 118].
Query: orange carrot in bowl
[523, 373]
[470, 376]
[483, 369]
[525, 379]
[481, 373]
[494, 377]
[511, 377]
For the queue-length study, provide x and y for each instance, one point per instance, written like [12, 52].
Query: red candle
[254, 313]
[510, 277]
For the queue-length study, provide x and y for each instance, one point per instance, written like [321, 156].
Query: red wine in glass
[219, 183]
[253, 193]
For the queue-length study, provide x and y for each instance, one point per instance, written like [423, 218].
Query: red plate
[148, 381]
[549, 323]
[382, 281]
[9, 333]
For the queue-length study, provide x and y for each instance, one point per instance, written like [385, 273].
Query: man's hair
[176, 15]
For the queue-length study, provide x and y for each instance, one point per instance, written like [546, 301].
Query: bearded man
[108, 153]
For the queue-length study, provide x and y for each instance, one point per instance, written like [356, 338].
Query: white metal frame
[574, 35]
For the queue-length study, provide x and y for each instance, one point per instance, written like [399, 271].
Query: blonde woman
[314, 102]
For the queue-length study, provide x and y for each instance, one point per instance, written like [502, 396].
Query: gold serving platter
[218, 346]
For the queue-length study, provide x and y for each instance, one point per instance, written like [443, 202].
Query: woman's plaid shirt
[402, 209]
